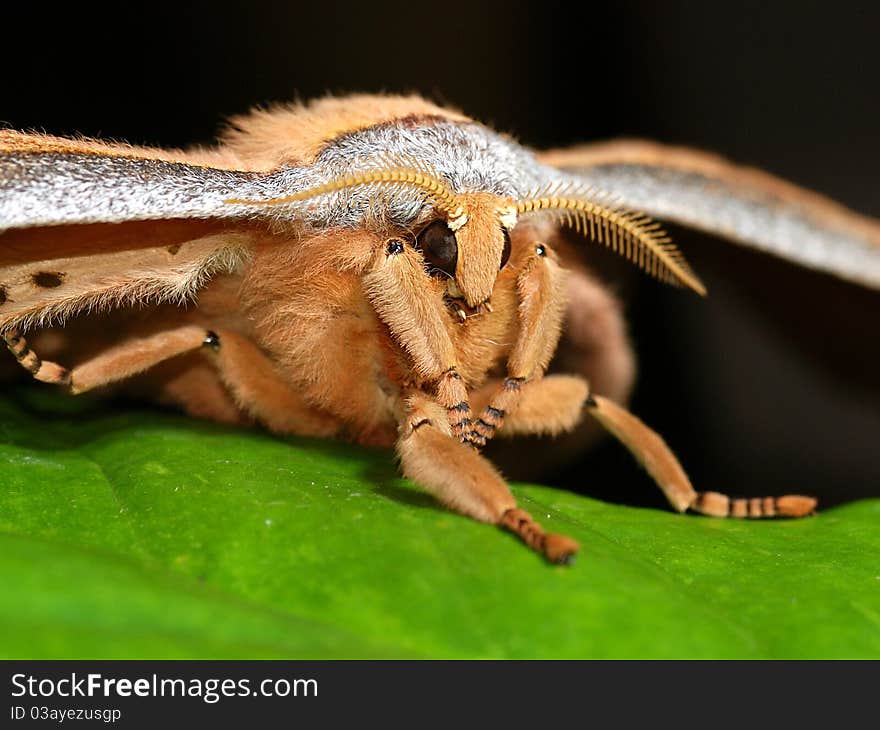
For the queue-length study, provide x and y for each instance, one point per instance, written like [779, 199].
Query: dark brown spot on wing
[3, 295]
[173, 248]
[48, 279]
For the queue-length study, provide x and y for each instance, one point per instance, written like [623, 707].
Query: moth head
[470, 245]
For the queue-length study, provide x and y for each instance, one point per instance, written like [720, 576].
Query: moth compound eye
[439, 247]
[540, 250]
[505, 253]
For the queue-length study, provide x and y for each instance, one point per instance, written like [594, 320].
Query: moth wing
[86, 225]
[744, 205]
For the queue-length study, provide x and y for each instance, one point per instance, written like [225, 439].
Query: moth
[380, 269]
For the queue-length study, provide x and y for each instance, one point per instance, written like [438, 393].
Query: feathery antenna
[628, 232]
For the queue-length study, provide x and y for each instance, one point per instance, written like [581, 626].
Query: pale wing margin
[745, 205]
[47, 181]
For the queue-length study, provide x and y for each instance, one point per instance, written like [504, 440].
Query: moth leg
[453, 396]
[136, 355]
[659, 461]
[460, 478]
[260, 390]
[541, 288]
[118, 363]
[42, 370]
[400, 292]
[548, 406]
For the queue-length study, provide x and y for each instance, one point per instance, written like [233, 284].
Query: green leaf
[138, 533]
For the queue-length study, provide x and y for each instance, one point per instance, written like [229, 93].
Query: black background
[770, 385]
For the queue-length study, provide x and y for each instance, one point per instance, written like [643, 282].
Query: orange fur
[102, 267]
[410, 303]
[548, 407]
[293, 134]
[540, 286]
[12, 141]
[480, 242]
[542, 294]
[263, 393]
[307, 308]
[190, 383]
[459, 477]
[464, 481]
[134, 356]
[595, 341]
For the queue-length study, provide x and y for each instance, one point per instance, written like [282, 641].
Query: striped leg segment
[651, 451]
[556, 548]
[452, 395]
[720, 505]
[491, 419]
[42, 370]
